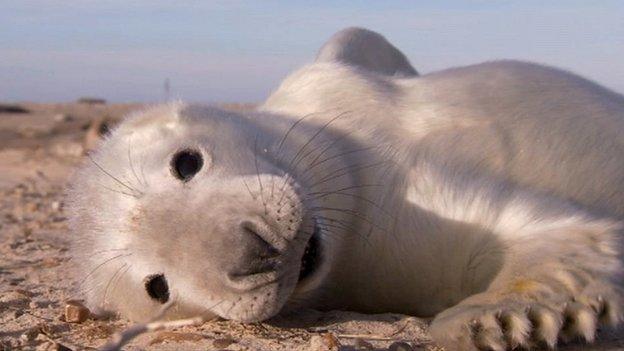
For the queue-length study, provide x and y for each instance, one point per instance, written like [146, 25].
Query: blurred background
[237, 51]
[70, 71]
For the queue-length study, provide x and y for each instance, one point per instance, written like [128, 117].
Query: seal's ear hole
[157, 287]
[186, 163]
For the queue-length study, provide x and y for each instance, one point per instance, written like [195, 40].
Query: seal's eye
[186, 163]
[157, 287]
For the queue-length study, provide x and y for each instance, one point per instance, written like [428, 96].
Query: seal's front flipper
[557, 282]
[366, 49]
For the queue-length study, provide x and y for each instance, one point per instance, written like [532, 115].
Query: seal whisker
[345, 171]
[336, 223]
[351, 212]
[325, 144]
[292, 127]
[209, 309]
[102, 265]
[112, 278]
[319, 154]
[324, 226]
[105, 251]
[312, 166]
[272, 186]
[328, 147]
[283, 139]
[118, 191]
[311, 139]
[112, 177]
[346, 188]
[320, 194]
[231, 307]
[93, 287]
[258, 174]
[130, 160]
[359, 197]
[340, 225]
[142, 170]
[301, 149]
[248, 189]
[120, 277]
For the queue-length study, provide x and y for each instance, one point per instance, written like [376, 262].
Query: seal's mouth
[312, 254]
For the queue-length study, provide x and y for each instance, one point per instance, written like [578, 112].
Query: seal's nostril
[157, 287]
[268, 249]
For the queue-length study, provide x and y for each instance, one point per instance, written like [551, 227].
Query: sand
[38, 152]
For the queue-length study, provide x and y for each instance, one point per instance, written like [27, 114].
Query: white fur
[489, 196]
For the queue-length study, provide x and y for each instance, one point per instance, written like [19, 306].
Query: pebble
[76, 312]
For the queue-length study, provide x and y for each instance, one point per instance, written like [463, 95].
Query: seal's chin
[311, 258]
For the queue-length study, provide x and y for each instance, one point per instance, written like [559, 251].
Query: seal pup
[488, 197]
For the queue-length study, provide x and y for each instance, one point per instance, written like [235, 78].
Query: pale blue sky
[122, 50]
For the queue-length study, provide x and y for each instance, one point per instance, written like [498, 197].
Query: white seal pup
[488, 197]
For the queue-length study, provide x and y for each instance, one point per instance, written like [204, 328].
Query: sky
[238, 51]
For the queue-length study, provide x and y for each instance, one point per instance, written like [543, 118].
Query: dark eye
[185, 164]
[157, 287]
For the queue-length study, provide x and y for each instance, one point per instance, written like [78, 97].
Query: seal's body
[488, 196]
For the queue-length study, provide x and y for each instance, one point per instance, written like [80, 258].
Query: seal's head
[191, 206]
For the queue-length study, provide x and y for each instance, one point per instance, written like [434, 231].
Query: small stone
[223, 343]
[76, 312]
[400, 346]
